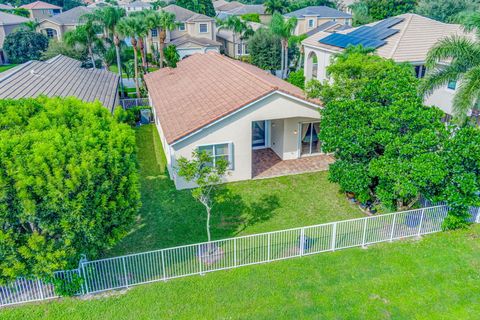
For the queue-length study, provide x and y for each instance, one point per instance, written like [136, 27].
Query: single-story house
[309, 18]
[56, 26]
[60, 76]
[261, 124]
[8, 23]
[404, 38]
[40, 10]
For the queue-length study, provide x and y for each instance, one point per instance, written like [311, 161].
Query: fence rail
[134, 269]
[134, 102]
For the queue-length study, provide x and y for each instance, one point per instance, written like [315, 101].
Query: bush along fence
[129, 270]
[134, 102]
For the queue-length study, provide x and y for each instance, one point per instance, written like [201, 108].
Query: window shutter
[230, 155]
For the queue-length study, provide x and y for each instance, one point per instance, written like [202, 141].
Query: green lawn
[437, 277]
[6, 67]
[169, 217]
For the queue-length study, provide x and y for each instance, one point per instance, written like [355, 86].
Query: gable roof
[411, 44]
[229, 5]
[328, 26]
[207, 87]
[39, 5]
[186, 38]
[60, 76]
[248, 8]
[9, 19]
[69, 17]
[319, 11]
[185, 15]
[4, 6]
[138, 4]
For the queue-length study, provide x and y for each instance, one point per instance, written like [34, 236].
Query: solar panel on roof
[367, 36]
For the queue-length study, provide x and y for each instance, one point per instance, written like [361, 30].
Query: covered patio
[267, 164]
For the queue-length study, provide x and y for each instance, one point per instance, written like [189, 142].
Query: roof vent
[36, 74]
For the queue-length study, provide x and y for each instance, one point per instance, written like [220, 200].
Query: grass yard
[169, 217]
[6, 67]
[437, 277]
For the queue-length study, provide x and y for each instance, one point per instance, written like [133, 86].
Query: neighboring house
[60, 76]
[235, 8]
[56, 26]
[345, 5]
[261, 124]
[195, 33]
[99, 4]
[404, 38]
[238, 48]
[8, 23]
[310, 18]
[136, 6]
[40, 10]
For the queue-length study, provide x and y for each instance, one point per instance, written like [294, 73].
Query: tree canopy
[365, 11]
[265, 49]
[68, 183]
[389, 147]
[23, 45]
[445, 10]
[200, 6]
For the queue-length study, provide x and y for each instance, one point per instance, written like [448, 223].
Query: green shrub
[297, 78]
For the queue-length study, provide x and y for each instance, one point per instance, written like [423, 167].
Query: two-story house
[40, 10]
[195, 33]
[55, 27]
[406, 38]
[311, 18]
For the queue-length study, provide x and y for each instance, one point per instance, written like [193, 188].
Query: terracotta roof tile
[206, 87]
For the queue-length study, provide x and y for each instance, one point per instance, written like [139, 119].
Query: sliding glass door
[260, 134]
[310, 144]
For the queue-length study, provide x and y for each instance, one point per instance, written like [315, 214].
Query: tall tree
[85, 35]
[276, 6]
[200, 6]
[165, 21]
[284, 28]
[68, 181]
[171, 56]
[463, 65]
[24, 45]
[265, 49]
[240, 29]
[131, 27]
[109, 17]
[142, 33]
[374, 10]
[445, 10]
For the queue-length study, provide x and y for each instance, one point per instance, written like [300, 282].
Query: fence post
[200, 260]
[420, 224]
[393, 226]
[478, 215]
[234, 252]
[364, 233]
[40, 288]
[302, 241]
[136, 103]
[268, 247]
[334, 235]
[83, 259]
[125, 271]
[163, 266]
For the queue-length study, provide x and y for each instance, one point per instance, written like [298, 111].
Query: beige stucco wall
[40, 14]
[237, 129]
[193, 29]
[302, 24]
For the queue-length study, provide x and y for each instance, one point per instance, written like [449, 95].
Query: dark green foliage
[68, 183]
[297, 78]
[445, 10]
[57, 47]
[365, 11]
[200, 6]
[67, 287]
[19, 12]
[171, 56]
[300, 4]
[252, 17]
[265, 49]
[24, 45]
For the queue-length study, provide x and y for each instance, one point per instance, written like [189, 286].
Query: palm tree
[171, 56]
[30, 25]
[284, 29]
[85, 35]
[142, 32]
[463, 57]
[131, 27]
[109, 17]
[165, 21]
[238, 27]
[273, 6]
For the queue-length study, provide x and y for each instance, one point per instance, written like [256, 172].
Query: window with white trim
[181, 27]
[452, 85]
[203, 27]
[420, 71]
[154, 32]
[219, 151]
[50, 33]
[311, 23]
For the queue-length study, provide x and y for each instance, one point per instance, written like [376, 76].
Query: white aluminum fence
[134, 102]
[122, 272]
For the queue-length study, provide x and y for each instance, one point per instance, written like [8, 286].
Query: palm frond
[453, 48]
[468, 93]
[441, 75]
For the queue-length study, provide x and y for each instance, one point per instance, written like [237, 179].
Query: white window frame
[213, 156]
[448, 85]
[312, 21]
[200, 27]
[154, 30]
[53, 33]
[181, 26]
